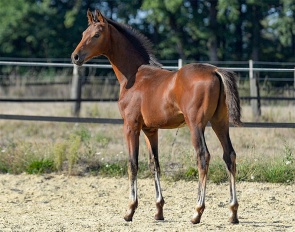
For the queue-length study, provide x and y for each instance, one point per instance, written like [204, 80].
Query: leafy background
[189, 29]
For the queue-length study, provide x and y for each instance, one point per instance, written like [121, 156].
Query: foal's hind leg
[221, 129]
[151, 137]
[203, 158]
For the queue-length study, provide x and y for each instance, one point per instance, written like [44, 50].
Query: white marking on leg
[133, 191]
[158, 187]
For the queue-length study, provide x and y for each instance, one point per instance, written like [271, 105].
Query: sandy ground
[61, 203]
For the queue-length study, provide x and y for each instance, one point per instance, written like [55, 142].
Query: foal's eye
[96, 36]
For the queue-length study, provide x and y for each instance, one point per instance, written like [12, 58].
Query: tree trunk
[213, 27]
[179, 33]
[256, 27]
[239, 36]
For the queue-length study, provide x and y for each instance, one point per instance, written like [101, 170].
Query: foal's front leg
[151, 138]
[132, 139]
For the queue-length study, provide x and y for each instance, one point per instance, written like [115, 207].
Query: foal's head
[97, 39]
[94, 39]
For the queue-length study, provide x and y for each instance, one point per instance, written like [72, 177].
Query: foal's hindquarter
[163, 99]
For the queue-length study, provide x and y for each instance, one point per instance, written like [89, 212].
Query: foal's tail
[232, 95]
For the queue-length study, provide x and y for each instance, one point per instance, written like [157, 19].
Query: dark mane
[139, 41]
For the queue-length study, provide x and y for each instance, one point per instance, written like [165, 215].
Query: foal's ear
[90, 17]
[99, 16]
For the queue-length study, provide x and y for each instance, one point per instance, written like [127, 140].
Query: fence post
[76, 91]
[179, 63]
[254, 92]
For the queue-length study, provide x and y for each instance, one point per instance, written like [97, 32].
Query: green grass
[263, 155]
[273, 172]
[40, 167]
[68, 155]
[78, 149]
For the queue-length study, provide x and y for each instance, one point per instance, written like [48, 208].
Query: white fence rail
[108, 66]
[76, 84]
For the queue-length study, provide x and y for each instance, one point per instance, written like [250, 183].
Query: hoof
[234, 221]
[197, 215]
[128, 218]
[159, 217]
[130, 212]
[196, 219]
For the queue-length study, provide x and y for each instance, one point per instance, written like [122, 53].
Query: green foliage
[40, 166]
[289, 158]
[73, 151]
[217, 172]
[228, 10]
[278, 173]
[59, 153]
[20, 157]
[173, 6]
[273, 171]
[15, 156]
[71, 15]
[79, 152]
[191, 173]
[102, 140]
[32, 28]
[180, 28]
[83, 133]
[118, 169]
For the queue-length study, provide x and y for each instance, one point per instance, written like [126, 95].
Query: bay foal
[152, 98]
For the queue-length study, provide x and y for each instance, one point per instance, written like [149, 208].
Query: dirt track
[60, 203]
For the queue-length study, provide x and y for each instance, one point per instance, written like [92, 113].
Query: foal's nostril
[76, 57]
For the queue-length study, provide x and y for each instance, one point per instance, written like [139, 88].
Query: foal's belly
[163, 120]
[174, 122]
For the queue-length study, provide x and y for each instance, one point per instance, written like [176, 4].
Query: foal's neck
[124, 58]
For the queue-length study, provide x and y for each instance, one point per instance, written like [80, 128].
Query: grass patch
[273, 172]
[102, 140]
[40, 167]
[114, 169]
[20, 157]
[117, 169]
[73, 151]
[276, 170]
[59, 153]
[100, 150]
[217, 172]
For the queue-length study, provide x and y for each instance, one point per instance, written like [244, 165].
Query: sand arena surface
[61, 203]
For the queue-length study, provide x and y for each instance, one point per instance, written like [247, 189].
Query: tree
[280, 30]
[188, 29]
[31, 28]
[166, 18]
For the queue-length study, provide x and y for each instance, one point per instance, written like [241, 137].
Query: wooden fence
[76, 90]
[120, 121]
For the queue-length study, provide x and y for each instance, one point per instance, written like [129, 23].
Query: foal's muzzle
[76, 59]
